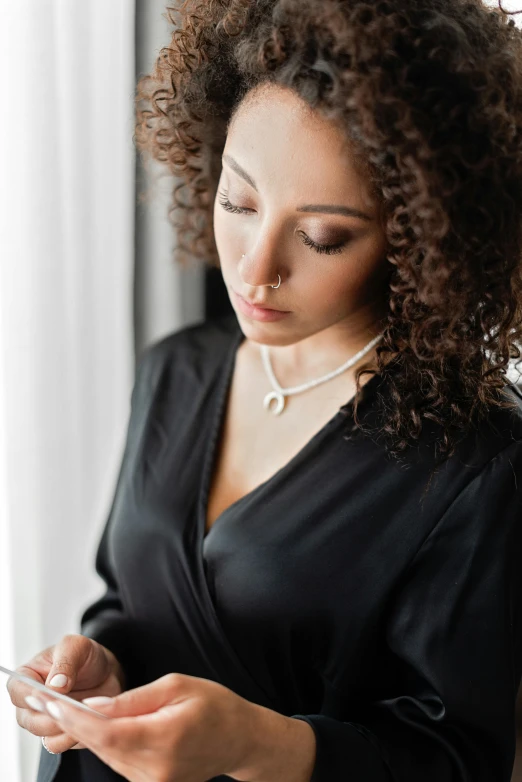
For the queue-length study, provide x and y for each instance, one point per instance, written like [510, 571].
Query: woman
[318, 520]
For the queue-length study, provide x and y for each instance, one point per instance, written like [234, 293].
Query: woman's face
[288, 168]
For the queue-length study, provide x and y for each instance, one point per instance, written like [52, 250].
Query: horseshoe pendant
[280, 400]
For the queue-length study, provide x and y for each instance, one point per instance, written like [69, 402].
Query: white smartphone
[52, 693]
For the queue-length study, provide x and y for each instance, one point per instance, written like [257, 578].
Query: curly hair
[429, 93]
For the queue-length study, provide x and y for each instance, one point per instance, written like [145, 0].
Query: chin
[267, 333]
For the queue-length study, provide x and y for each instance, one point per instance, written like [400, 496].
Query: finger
[78, 725]
[171, 688]
[44, 725]
[69, 655]
[18, 690]
[62, 743]
[102, 741]
[115, 735]
[36, 719]
[36, 723]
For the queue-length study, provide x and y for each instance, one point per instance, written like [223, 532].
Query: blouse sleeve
[105, 620]
[453, 631]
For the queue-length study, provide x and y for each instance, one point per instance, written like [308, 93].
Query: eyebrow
[348, 211]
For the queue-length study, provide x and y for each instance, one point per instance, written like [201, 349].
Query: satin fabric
[344, 591]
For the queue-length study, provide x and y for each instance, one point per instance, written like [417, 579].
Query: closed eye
[328, 249]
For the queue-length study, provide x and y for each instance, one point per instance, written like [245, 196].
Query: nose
[258, 275]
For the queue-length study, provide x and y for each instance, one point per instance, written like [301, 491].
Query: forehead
[282, 142]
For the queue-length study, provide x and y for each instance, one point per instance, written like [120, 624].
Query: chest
[254, 444]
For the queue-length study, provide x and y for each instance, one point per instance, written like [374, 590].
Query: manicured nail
[98, 700]
[54, 710]
[34, 703]
[60, 680]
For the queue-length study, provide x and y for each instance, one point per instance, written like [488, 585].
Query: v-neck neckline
[216, 429]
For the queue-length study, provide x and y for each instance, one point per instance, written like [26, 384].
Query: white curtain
[67, 164]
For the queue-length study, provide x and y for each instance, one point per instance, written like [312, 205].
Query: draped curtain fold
[66, 316]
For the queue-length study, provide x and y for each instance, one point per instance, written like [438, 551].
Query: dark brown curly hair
[430, 95]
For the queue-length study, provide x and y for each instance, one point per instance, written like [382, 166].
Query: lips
[257, 311]
[259, 306]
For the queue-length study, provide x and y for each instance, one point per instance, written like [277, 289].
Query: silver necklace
[279, 394]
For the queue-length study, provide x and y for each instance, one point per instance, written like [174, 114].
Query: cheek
[338, 286]
[334, 284]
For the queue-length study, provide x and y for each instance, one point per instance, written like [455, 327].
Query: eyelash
[328, 249]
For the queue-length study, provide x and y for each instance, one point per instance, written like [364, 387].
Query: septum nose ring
[278, 277]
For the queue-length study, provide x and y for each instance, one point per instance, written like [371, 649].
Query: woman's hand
[178, 727]
[90, 669]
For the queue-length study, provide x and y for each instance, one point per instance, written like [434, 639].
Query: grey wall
[167, 297]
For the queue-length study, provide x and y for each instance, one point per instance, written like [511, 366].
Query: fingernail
[98, 700]
[34, 703]
[54, 710]
[60, 680]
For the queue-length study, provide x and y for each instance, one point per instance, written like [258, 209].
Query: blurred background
[87, 281]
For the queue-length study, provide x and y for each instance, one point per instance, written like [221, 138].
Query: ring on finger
[47, 748]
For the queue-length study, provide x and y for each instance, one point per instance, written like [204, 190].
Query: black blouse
[342, 591]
